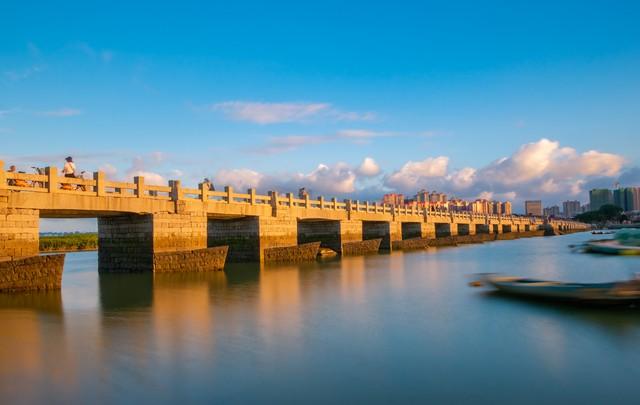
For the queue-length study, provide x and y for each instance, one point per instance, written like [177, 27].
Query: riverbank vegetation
[69, 242]
[606, 213]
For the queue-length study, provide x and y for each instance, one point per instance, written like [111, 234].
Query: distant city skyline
[272, 96]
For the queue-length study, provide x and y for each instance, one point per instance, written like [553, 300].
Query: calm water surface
[383, 328]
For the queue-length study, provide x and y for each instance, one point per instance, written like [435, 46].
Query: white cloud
[414, 175]
[240, 179]
[270, 113]
[153, 178]
[289, 143]
[354, 116]
[369, 168]
[110, 171]
[546, 158]
[541, 169]
[274, 113]
[339, 179]
[63, 112]
[463, 178]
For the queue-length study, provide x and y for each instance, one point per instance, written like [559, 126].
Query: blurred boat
[614, 293]
[625, 242]
[611, 247]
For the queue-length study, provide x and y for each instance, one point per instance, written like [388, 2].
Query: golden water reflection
[391, 312]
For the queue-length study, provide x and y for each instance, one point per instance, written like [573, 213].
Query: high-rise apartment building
[393, 199]
[553, 211]
[506, 208]
[533, 207]
[627, 198]
[571, 208]
[599, 197]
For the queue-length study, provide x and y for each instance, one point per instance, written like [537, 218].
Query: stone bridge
[137, 221]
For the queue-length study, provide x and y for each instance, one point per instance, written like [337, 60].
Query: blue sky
[282, 94]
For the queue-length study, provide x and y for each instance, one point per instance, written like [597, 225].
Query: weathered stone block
[208, 259]
[361, 247]
[32, 273]
[292, 254]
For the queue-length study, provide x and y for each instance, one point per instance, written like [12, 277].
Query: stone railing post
[347, 207]
[252, 196]
[307, 201]
[366, 206]
[204, 192]
[139, 181]
[334, 201]
[274, 202]
[52, 179]
[229, 191]
[98, 177]
[290, 198]
[3, 176]
[321, 202]
[176, 190]
[357, 205]
[375, 207]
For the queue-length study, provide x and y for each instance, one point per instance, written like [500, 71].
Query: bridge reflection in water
[376, 327]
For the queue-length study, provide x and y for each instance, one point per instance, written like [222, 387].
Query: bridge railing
[52, 182]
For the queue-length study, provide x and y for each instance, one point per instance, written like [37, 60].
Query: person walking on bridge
[69, 169]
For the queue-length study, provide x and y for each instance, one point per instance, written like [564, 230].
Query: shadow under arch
[125, 291]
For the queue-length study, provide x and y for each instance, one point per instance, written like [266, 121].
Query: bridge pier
[388, 231]
[249, 237]
[412, 230]
[346, 237]
[156, 242]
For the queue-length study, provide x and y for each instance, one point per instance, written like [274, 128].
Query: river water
[383, 328]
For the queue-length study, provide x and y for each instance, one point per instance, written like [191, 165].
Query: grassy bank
[69, 242]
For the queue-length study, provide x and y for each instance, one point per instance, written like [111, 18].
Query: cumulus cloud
[368, 168]
[545, 158]
[541, 169]
[149, 177]
[414, 175]
[336, 179]
[339, 178]
[274, 113]
[146, 166]
[238, 178]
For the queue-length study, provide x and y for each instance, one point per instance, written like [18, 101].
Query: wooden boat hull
[596, 293]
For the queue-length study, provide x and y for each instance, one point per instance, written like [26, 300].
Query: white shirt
[69, 168]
